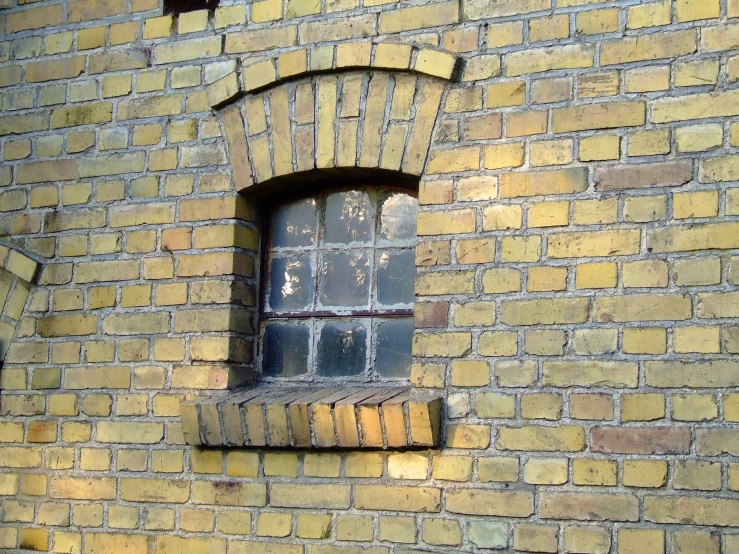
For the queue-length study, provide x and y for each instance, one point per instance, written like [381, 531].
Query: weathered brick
[407, 499]
[599, 116]
[691, 510]
[646, 440]
[490, 502]
[540, 438]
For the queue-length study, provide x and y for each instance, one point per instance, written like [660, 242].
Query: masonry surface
[577, 270]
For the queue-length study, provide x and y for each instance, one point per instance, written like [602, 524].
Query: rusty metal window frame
[369, 317]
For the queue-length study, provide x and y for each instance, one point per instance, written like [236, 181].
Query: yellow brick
[226, 16]
[697, 271]
[594, 22]
[600, 148]
[695, 204]
[546, 278]
[645, 473]
[512, 93]
[694, 407]
[526, 123]
[545, 471]
[645, 340]
[649, 143]
[647, 79]
[548, 214]
[648, 47]
[698, 138]
[541, 406]
[692, 10]
[314, 526]
[549, 28]
[498, 343]
[645, 274]
[642, 407]
[521, 249]
[697, 340]
[550, 153]
[504, 155]
[696, 73]
[599, 473]
[645, 208]
[546, 59]
[441, 344]
[500, 217]
[504, 34]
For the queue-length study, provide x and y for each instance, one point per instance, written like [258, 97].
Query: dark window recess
[176, 7]
[338, 287]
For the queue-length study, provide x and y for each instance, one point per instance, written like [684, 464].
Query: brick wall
[577, 277]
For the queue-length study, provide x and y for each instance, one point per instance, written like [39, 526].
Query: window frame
[323, 187]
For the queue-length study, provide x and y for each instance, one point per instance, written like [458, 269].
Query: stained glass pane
[344, 280]
[349, 217]
[285, 350]
[342, 349]
[295, 224]
[398, 217]
[291, 284]
[394, 342]
[396, 270]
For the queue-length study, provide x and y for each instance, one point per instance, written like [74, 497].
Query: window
[338, 285]
[176, 7]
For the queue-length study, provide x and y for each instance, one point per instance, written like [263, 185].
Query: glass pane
[285, 350]
[349, 217]
[394, 341]
[295, 224]
[342, 349]
[290, 284]
[344, 280]
[396, 272]
[399, 215]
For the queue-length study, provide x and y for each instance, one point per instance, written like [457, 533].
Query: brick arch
[365, 105]
[18, 273]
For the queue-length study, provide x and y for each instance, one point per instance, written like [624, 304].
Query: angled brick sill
[312, 417]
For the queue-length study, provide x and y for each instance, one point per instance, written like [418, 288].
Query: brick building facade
[575, 372]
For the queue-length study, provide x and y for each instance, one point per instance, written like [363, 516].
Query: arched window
[338, 286]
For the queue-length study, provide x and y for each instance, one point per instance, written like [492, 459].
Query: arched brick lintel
[375, 117]
[18, 272]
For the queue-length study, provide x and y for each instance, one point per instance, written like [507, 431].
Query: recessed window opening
[176, 7]
[338, 286]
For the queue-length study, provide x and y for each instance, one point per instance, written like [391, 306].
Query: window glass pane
[344, 280]
[394, 341]
[342, 349]
[295, 224]
[285, 350]
[398, 217]
[396, 271]
[349, 217]
[291, 284]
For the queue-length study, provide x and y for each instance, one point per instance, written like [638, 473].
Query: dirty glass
[342, 349]
[291, 284]
[394, 340]
[295, 224]
[396, 270]
[285, 350]
[344, 280]
[349, 217]
[340, 274]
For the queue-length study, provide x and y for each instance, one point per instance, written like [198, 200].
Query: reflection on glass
[349, 217]
[395, 277]
[342, 349]
[295, 224]
[291, 284]
[344, 280]
[398, 219]
[394, 341]
[285, 350]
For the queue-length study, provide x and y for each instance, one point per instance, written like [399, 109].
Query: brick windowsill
[313, 417]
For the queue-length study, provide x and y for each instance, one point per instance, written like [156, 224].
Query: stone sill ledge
[313, 417]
